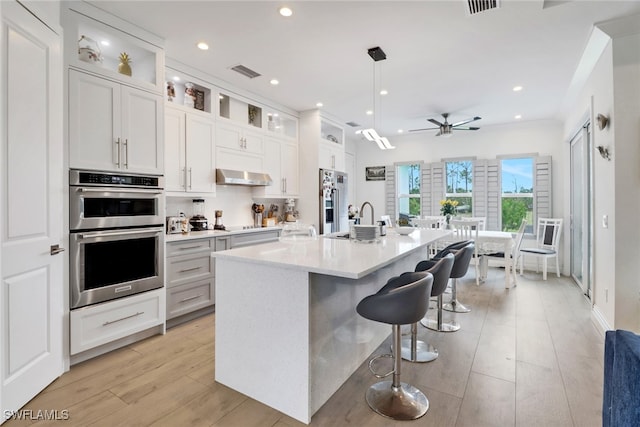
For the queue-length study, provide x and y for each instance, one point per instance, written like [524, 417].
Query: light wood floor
[524, 357]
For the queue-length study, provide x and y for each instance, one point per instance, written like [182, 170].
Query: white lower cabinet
[183, 299]
[103, 323]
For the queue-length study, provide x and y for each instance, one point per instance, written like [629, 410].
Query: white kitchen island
[287, 333]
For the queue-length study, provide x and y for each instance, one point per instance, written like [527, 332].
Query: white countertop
[215, 233]
[336, 257]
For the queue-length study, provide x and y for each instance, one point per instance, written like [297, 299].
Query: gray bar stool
[460, 267]
[421, 351]
[402, 301]
[461, 261]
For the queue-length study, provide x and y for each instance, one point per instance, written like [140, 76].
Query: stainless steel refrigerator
[333, 202]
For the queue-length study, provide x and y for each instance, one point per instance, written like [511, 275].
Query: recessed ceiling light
[285, 11]
[383, 92]
[105, 43]
[400, 131]
[274, 82]
[369, 112]
[319, 104]
[517, 88]
[176, 78]
[518, 116]
[202, 46]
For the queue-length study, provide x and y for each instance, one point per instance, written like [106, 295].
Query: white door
[201, 169]
[32, 194]
[94, 123]
[142, 131]
[175, 154]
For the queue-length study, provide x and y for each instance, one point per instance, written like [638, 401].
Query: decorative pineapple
[124, 67]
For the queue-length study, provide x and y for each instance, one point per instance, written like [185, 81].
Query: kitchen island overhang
[287, 332]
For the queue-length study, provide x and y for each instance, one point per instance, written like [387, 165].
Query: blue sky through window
[517, 174]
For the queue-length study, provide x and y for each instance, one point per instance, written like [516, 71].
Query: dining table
[489, 241]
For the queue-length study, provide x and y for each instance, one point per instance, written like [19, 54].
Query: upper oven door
[106, 207]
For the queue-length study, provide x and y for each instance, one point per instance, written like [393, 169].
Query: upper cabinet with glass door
[331, 132]
[281, 125]
[186, 91]
[103, 44]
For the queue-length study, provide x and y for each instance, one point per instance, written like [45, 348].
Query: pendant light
[377, 54]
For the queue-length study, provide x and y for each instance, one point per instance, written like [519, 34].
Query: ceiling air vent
[353, 124]
[247, 72]
[477, 6]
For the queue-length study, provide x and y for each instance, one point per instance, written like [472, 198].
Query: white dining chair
[548, 234]
[500, 256]
[468, 230]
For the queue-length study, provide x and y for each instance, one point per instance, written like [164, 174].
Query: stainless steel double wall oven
[116, 241]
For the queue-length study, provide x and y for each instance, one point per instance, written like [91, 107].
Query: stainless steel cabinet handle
[285, 185]
[183, 178]
[119, 190]
[189, 269]
[191, 298]
[190, 247]
[109, 322]
[118, 152]
[56, 249]
[190, 178]
[126, 154]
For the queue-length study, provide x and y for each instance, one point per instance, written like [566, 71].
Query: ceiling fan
[446, 128]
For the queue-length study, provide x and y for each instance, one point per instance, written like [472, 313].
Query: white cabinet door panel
[290, 169]
[233, 159]
[201, 173]
[142, 147]
[272, 166]
[31, 207]
[175, 153]
[94, 122]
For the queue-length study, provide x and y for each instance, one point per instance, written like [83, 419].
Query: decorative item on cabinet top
[89, 50]
[124, 67]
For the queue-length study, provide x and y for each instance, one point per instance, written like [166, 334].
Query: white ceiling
[439, 59]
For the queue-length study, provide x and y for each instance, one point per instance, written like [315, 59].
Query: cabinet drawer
[99, 324]
[248, 239]
[190, 246]
[189, 297]
[189, 267]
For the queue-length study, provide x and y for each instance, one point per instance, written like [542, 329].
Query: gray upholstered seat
[402, 301]
[421, 351]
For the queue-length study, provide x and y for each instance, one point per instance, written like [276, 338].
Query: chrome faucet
[372, 214]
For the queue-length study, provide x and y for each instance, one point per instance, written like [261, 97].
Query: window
[517, 193]
[408, 179]
[459, 175]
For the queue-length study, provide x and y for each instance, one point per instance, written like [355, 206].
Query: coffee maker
[218, 225]
[198, 221]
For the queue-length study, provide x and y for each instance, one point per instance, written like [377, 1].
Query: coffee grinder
[198, 221]
[218, 225]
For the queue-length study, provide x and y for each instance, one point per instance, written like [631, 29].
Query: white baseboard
[599, 320]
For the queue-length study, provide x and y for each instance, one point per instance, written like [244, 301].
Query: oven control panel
[114, 180]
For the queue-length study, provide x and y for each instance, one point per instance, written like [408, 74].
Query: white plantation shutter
[542, 207]
[436, 189]
[390, 192]
[480, 207]
[425, 190]
[494, 195]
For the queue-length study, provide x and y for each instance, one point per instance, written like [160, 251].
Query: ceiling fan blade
[420, 130]
[435, 122]
[464, 122]
[469, 128]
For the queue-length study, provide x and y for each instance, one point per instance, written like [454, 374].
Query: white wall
[529, 137]
[613, 89]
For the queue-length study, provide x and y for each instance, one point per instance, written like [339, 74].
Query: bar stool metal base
[443, 327]
[399, 403]
[456, 306]
[424, 352]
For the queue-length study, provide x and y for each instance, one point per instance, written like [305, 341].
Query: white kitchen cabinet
[113, 126]
[189, 151]
[331, 157]
[281, 163]
[100, 324]
[238, 148]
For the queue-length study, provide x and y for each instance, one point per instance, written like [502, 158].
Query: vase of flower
[448, 209]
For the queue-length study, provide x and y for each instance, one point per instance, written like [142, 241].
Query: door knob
[56, 249]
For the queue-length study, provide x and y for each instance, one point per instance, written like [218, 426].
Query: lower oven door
[110, 264]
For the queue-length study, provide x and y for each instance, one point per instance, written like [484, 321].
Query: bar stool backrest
[440, 269]
[462, 261]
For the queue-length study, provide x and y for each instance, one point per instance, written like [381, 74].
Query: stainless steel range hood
[234, 177]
